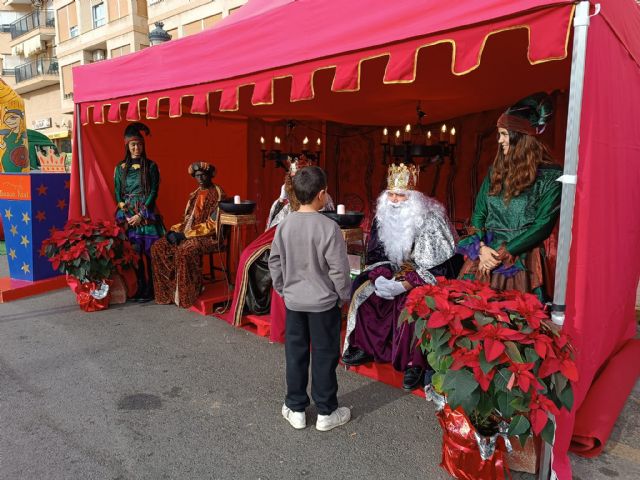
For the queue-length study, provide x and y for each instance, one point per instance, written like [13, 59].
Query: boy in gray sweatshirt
[310, 270]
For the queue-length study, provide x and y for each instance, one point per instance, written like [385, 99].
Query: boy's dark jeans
[322, 331]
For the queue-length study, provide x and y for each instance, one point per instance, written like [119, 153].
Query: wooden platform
[214, 295]
[11, 289]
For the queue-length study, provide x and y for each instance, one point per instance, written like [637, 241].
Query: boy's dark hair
[308, 182]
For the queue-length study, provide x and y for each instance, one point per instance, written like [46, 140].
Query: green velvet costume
[520, 227]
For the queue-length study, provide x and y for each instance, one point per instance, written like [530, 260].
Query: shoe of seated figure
[413, 378]
[298, 420]
[354, 357]
[339, 416]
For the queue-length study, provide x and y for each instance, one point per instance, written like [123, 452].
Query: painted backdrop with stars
[32, 206]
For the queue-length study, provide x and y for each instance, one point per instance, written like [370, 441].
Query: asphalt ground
[156, 392]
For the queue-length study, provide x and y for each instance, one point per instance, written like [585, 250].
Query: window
[98, 13]
[68, 22]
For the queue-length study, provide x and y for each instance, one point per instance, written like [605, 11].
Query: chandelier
[285, 153]
[418, 143]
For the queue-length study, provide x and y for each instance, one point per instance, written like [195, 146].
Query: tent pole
[568, 179]
[83, 201]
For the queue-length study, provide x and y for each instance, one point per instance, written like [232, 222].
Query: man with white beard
[411, 242]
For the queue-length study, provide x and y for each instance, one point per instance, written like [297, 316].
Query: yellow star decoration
[25, 218]
[8, 214]
[24, 241]
[25, 267]
[12, 254]
[62, 203]
[42, 189]
[14, 230]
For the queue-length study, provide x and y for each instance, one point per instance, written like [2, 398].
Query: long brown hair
[516, 171]
[291, 195]
[145, 177]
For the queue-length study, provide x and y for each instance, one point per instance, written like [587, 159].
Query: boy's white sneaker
[298, 420]
[339, 416]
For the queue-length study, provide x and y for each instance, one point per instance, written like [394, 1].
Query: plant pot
[118, 290]
[527, 458]
[461, 452]
[91, 296]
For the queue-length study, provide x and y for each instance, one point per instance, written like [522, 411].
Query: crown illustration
[402, 177]
[50, 162]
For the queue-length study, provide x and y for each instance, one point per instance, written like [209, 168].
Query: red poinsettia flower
[492, 337]
[463, 357]
[447, 313]
[522, 375]
[541, 343]
[529, 307]
[483, 379]
[482, 304]
[562, 363]
[539, 407]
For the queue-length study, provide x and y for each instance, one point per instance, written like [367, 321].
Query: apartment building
[94, 30]
[29, 65]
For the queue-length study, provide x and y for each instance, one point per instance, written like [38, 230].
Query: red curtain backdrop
[604, 262]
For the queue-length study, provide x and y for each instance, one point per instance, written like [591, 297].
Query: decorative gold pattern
[402, 177]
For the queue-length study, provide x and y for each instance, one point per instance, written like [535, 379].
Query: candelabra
[285, 156]
[418, 143]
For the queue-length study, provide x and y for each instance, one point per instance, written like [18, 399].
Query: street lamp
[158, 35]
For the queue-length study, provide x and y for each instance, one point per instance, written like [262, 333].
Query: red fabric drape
[604, 262]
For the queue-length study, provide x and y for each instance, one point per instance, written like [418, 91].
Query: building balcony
[42, 21]
[36, 74]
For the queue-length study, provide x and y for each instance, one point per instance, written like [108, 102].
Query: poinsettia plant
[495, 354]
[90, 251]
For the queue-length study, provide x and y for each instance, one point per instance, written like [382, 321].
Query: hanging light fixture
[285, 154]
[418, 143]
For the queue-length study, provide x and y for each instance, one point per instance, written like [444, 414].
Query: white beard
[399, 223]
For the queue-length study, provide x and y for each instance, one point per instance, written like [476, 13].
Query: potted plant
[90, 253]
[500, 365]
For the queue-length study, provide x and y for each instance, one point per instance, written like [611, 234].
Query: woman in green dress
[517, 206]
[136, 180]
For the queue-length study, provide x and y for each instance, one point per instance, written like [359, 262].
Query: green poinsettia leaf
[420, 327]
[462, 389]
[485, 405]
[522, 439]
[437, 381]
[559, 381]
[431, 303]
[405, 317]
[464, 342]
[504, 400]
[501, 379]
[548, 432]
[520, 404]
[486, 366]
[566, 397]
[519, 425]
[530, 355]
[513, 352]
[433, 359]
[445, 363]
[482, 319]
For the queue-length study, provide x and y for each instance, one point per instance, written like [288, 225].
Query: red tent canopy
[369, 63]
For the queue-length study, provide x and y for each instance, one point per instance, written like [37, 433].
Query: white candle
[236, 199]
[341, 210]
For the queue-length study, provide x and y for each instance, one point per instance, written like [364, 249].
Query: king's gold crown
[402, 177]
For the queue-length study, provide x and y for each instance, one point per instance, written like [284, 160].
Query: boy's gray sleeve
[339, 270]
[275, 263]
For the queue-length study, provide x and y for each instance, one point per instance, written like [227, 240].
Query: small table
[236, 222]
[354, 235]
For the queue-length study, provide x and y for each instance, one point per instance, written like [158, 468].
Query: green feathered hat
[529, 115]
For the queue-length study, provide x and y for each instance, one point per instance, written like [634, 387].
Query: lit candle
[452, 136]
[318, 145]
[276, 142]
[443, 132]
[262, 145]
[236, 199]
[304, 144]
[397, 136]
[385, 136]
[341, 210]
[429, 141]
[407, 133]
